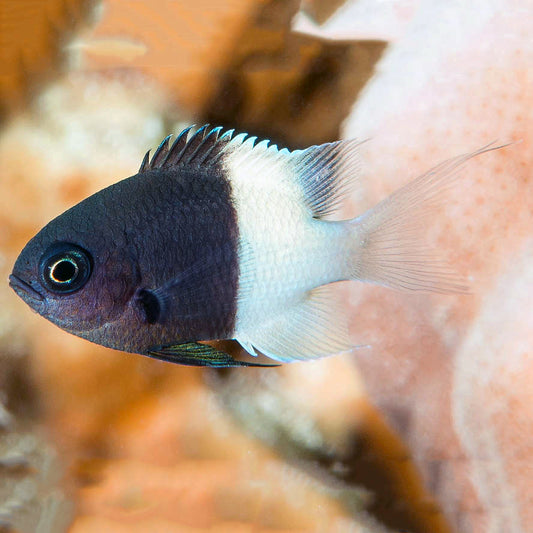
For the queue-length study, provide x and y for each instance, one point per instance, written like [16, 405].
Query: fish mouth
[26, 291]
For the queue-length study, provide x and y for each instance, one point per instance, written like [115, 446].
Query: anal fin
[312, 328]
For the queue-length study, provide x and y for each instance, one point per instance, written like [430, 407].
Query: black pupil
[65, 268]
[64, 271]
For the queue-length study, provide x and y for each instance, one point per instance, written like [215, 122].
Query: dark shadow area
[293, 89]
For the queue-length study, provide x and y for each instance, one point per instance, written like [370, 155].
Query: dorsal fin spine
[161, 153]
[214, 132]
[224, 140]
[176, 151]
[145, 162]
[196, 139]
[247, 142]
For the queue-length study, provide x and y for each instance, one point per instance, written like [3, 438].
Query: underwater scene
[308, 309]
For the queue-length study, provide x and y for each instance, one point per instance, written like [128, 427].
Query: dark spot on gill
[150, 305]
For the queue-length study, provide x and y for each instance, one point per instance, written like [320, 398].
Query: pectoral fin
[196, 354]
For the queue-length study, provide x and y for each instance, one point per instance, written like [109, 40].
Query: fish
[223, 236]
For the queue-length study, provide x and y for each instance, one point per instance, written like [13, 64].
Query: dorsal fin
[161, 153]
[202, 148]
[325, 173]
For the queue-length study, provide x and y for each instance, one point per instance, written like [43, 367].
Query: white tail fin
[387, 250]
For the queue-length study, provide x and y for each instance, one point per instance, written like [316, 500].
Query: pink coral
[454, 374]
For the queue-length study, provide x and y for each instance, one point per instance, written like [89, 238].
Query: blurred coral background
[428, 429]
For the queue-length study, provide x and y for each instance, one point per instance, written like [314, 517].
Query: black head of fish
[146, 262]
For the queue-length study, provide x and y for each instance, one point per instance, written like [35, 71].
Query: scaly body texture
[221, 237]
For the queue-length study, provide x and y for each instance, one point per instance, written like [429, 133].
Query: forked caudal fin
[385, 247]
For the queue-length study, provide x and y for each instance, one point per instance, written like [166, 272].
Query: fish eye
[65, 267]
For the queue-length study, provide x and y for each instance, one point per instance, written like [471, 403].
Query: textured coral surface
[456, 375]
